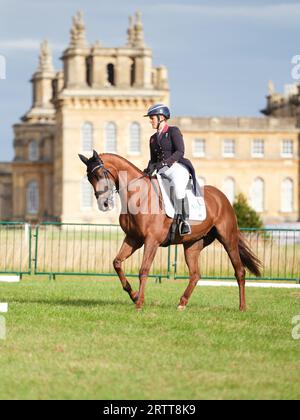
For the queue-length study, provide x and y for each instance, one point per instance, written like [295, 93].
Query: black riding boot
[184, 227]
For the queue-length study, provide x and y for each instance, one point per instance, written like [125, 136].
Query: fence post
[36, 236]
[175, 263]
[169, 263]
[28, 240]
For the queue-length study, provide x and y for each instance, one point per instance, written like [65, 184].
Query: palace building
[97, 101]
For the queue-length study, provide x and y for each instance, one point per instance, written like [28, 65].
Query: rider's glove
[150, 169]
[161, 165]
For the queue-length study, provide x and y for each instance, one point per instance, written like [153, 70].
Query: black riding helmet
[158, 109]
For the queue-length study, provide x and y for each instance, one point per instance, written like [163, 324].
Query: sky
[220, 54]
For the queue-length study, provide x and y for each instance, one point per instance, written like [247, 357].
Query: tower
[97, 101]
[105, 94]
[42, 88]
[74, 57]
[33, 143]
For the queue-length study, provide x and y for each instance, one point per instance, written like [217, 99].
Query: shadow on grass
[71, 302]
[195, 308]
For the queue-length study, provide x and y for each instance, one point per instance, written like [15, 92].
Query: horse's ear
[83, 159]
[95, 155]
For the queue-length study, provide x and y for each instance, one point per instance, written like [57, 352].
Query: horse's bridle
[106, 173]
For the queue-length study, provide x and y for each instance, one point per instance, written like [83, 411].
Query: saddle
[195, 204]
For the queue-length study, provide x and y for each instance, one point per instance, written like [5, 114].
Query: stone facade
[5, 191]
[256, 152]
[98, 101]
[283, 105]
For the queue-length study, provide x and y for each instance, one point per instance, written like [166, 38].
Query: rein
[118, 190]
[106, 172]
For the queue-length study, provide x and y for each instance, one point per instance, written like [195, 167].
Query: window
[32, 198]
[229, 189]
[110, 138]
[132, 73]
[54, 85]
[87, 137]
[33, 151]
[257, 195]
[86, 194]
[229, 148]
[258, 148]
[199, 147]
[111, 74]
[287, 148]
[135, 138]
[287, 195]
[89, 70]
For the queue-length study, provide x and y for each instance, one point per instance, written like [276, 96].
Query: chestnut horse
[151, 229]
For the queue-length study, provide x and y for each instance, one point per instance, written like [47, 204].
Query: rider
[167, 151]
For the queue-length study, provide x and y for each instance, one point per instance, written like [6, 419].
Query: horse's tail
[249, 259]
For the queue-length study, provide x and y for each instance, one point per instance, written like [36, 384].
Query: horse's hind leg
[229, 239]
[128, 247]
[240, 274]
[191, 253]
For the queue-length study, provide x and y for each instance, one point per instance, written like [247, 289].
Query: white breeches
[179, 176]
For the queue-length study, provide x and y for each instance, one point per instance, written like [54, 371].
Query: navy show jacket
[168, 147]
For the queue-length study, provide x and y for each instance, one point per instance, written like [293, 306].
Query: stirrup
[184, 224]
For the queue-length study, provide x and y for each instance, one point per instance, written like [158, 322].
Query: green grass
[82, 338]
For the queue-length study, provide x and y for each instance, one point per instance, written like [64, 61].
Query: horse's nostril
[105, 205]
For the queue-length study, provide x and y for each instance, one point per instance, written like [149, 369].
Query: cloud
[283, 12]
[27, 44]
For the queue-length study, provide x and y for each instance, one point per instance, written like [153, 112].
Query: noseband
[106, 172]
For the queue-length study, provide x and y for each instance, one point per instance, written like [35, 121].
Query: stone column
[123, 71]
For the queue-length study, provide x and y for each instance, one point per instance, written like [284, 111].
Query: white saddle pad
[197, 208]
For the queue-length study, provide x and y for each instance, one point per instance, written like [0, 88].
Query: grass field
[74, 339]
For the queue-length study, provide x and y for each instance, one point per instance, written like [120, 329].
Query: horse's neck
[120, 168]
[131, 183]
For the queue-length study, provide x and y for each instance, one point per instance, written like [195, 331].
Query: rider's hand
[150, 169]
[146, 172]
[161, 165]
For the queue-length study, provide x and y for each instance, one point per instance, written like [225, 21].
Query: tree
[246, 216]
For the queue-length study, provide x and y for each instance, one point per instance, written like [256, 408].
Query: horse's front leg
[128, 247]
[150, 250]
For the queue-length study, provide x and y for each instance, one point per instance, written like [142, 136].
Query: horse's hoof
[181, 307]
[134, 297]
